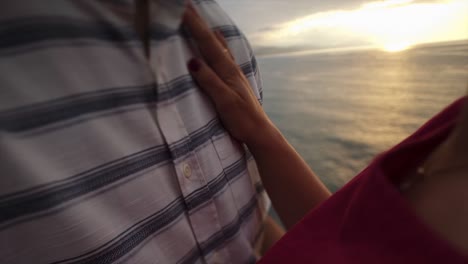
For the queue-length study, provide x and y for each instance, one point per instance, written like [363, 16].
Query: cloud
[268, 29]
[392, 23]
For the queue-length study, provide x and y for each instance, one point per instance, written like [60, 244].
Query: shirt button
[216, 259]
[187, 170]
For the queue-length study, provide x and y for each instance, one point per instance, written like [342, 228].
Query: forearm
[292, 186]
[272, 233]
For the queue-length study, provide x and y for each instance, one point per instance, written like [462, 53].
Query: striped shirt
[109, 157]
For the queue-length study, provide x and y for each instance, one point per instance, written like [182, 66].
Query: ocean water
[339, 110]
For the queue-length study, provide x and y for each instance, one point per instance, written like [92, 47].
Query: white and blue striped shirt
[109, 157]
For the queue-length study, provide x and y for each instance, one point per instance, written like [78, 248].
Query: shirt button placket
[190, 175]
[187, 170]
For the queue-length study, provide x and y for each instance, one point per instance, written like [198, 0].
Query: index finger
[211, 49]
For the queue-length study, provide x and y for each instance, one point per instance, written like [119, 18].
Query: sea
[340, 109]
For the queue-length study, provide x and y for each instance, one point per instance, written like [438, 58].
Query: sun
[389, 25]
[396, 46]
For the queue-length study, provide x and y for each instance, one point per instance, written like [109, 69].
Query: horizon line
[311, 50]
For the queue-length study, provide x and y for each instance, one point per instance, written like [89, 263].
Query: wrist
[267, 137]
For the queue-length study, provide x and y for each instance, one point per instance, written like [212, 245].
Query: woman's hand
[290, 183]
[223, 81]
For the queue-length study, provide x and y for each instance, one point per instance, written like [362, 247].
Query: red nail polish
[194, 65]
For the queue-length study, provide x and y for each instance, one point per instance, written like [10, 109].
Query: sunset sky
[391, 25]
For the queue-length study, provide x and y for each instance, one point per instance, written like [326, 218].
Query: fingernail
[190, 6]
[194, 65]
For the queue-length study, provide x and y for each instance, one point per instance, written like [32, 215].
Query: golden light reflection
[391, 25]
[396, 47]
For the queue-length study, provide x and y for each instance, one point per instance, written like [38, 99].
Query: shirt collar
[166, 15]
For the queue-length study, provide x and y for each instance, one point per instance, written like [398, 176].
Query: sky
[390, 25]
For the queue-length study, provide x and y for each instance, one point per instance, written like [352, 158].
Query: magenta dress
[368, 221]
